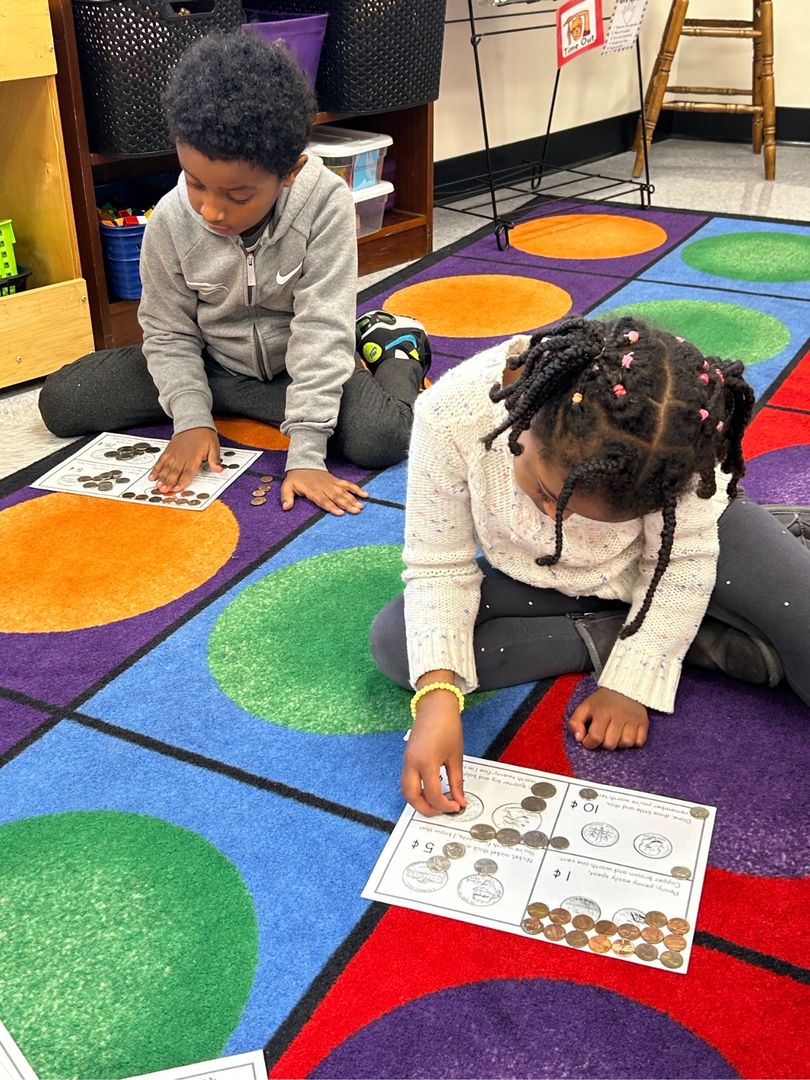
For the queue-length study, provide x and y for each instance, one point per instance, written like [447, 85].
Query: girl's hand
[610, 720]
[181, 460]
[320, 487]
[436, 739]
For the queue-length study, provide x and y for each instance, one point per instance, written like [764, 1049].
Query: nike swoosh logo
[282, 279]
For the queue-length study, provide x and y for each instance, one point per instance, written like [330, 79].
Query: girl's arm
[435, 740]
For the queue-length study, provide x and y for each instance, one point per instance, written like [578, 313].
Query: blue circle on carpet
[780, 476]
[527, 1027]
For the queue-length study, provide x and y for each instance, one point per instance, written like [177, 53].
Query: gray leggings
[763, 588]
[112, 390]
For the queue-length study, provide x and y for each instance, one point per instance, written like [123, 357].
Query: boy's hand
[320, 487]
[436, 739]
[615, 721]
[182, 458]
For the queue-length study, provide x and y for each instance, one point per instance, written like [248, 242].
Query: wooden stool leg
[768, 92]
[660, 78]
[756, 131]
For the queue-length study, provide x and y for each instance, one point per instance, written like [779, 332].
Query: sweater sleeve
[443, 580]
[320, 352]
[172, 341]
[647, 666]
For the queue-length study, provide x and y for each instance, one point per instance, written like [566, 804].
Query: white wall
[518, 71]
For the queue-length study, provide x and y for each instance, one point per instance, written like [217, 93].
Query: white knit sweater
[463, 498]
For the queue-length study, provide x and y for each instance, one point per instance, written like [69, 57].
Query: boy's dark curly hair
[234, 97]
[634, 414]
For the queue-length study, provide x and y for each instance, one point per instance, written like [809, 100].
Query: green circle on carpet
[752, 256]
[293, 648]
[127, 944]
[731, 331]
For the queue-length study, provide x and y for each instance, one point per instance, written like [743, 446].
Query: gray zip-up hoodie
[290, 305]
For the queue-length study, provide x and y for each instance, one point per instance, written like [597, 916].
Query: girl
[607, 529]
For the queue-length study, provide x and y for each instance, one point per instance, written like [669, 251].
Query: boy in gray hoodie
[249, 273]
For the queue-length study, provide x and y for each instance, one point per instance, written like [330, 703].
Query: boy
[249, 272]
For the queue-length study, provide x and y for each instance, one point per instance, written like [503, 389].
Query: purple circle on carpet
[780, 476]
[741, 748]
[519, 1028]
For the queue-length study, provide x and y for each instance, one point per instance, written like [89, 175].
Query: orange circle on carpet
[70, 562]
[251, 433]
[587, 236]
[481, 305]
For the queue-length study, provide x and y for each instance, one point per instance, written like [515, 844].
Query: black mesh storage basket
[127, 50]
[377, 54]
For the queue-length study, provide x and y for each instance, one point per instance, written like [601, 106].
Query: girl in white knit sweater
[588, 538]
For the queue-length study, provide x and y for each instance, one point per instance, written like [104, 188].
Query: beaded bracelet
[417, 697]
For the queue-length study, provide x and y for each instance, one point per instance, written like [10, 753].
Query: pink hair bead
[627, 360]
[704, 378]
[721, 427]
[619, 390]
[703, 414]
[632, 336]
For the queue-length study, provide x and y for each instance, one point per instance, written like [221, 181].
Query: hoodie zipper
[251, 285]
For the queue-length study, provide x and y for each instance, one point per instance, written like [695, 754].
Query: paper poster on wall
[579, 28]
[625, 24]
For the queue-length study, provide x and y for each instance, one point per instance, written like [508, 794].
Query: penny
[228, 453]
[582, 922]
[544, 790]
[699, 812]
[128, 495]
[482, 832]
[559, 843]
[576, 939]
[203, 495]
[682, 872]
[629, 931]
[90, 484]
[559, 915]
[155, 499]
[187, 494]
[537, 909]
[258, 491]
[678, 926]
[156, 491]
[554, 932]
[231, 465]
[646, 952]
[260, 501]
[622, 947]
[652, 935]
[454, 850]
[605, 926]
[121, 479]
[438, 864]
[193, 502]
[588, 793]
[656, 918]
[533, 803]
[532, 925]
[141, 498]
[507, 837]
[671, 959]
[599, 944]
[266, 479]
[535, 839]
[675, 942]
[487, 867]
[84, 479]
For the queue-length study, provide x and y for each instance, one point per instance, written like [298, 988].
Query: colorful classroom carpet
[200, 763]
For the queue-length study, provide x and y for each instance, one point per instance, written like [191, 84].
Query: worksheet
[608, 870]
[117, 467]
[248, 1066]
[13, 1065]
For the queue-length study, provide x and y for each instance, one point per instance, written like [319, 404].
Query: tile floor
[688, 175]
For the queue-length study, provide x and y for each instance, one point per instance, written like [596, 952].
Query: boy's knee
[54, 407]
[373, 449]
[388, 644]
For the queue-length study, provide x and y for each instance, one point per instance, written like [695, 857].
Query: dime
[482, 832]
[582, 922]
[588, 793]
[622, 947]
[559, 843]
[535, 839]
[629, 931]
[537, 909]
[559, 915]
[576, 939]
[656, 918]
[85, 479]
[605, 926]
[90, 484]
[507, 837]
[599, 944]
[671, 959]
[600, 834]
[138, 446]
[480, 890]
[554, 932]
[582, 905]
[652, 845]
[532, 925]
[675, 942]
[105, 485]
[682, 872]
[454, 850]
[439, 864]
[487, 867]
[652, 935]
[646, 952]
[544, 790]
[266, 479]
[678, 926]
[699, 812]
[533, 803]
[260, 501]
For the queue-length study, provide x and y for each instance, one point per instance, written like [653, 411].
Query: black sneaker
[380, 335]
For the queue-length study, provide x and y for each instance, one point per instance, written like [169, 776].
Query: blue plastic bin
[122, 253]
[302, 34]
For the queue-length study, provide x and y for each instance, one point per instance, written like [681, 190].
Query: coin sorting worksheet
[117, 467]
[607, 870]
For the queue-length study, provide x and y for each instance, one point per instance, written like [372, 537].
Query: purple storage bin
[302, 34]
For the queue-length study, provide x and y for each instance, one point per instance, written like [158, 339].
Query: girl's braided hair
[633, 414]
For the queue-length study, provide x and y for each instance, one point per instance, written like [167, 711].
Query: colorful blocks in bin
[8, 261]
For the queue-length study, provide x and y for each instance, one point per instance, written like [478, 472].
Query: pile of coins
[534, 804]
[180, 498]
[603, 935]
[133, 450]
[104, 481]
[205, 467]
[259, 494]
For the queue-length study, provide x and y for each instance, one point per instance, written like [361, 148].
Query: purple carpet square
[17, 721]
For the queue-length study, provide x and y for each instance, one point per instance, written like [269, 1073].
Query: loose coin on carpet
[258, 501]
